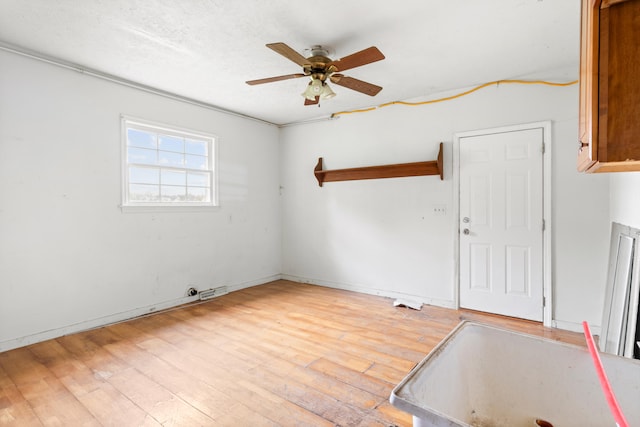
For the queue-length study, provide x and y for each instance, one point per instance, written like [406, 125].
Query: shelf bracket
[432, 167]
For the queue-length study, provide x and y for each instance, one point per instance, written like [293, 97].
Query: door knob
[466, 231]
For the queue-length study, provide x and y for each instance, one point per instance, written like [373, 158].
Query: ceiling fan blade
[355, 84]
[366, 56]
[288, 52]
[275, 79]
[310, 102]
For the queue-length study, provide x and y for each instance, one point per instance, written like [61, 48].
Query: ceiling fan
[320, 68]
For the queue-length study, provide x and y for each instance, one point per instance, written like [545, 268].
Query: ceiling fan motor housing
[318, 50]
[318, 61]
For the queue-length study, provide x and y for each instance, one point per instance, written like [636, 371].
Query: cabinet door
[619, 83]
[609, 131]
[588, 128]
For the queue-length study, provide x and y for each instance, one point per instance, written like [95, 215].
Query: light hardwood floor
[283, 353]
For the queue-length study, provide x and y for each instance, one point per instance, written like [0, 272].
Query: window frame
[128, 122]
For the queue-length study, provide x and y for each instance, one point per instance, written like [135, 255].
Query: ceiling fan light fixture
[315, 88]
[327, 93]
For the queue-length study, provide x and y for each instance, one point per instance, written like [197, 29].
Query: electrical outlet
[439, 209]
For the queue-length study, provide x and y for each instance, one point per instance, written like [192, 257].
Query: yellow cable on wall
[448, 98]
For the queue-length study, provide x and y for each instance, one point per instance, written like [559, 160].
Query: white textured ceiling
[206, 49]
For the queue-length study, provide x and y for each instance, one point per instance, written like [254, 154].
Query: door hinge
[544, 225]
[543, 148]
[544, 301]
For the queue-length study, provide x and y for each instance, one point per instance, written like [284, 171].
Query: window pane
[173, 194]
[194, 146]
[198, 194]
[144, 193]
[173, 177]
[195, 162]
[144, 175]
[140, 138]
[166, 166]
[196, 179]
[171, 143]
[142, 156]
[171, 159]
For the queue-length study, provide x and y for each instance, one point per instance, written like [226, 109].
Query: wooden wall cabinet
[609, 129]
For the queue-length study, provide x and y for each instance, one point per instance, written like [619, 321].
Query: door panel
[480, 267]
[480, 206]
[517, 201]
[518, 264]
[501, 213]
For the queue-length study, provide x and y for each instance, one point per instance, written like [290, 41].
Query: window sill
[166, 208]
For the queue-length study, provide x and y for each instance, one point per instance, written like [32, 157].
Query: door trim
[547, 286]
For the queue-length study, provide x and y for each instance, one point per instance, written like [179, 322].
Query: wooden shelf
[433, 167]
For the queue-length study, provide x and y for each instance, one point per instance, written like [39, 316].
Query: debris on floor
[400, 302]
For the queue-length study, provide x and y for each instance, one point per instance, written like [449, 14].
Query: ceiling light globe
[327, 93]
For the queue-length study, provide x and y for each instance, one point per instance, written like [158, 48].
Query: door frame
[547, 285]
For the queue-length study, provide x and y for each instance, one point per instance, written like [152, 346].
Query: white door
[501, 223]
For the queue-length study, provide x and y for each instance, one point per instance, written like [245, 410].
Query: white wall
[382, 237]
[625, 198]
[69, 258]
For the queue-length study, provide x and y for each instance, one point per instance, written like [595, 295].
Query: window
[166, 167]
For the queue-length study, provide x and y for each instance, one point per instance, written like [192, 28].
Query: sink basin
[481, 376]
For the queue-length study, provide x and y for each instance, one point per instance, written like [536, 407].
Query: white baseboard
[118, 317]
[365, 290]
[252, 283]
[559, 324]
[131, 314]
[575, 327]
